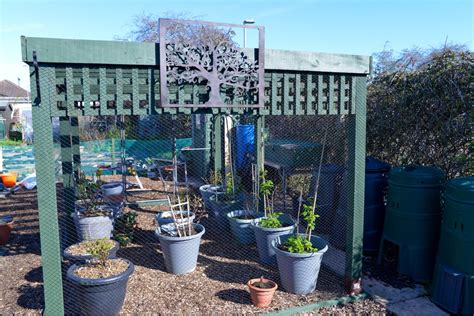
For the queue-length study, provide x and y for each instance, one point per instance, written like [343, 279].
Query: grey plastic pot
[265, 236]
[164, 218]
[180, 253]
[207, 191]
[113, 192]
[100, 296]
[96, 227]
[242, 228]
[219, 209]
[299, 272]
[78, 259]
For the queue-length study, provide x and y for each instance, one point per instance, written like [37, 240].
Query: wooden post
[356, 178]
[46, 188]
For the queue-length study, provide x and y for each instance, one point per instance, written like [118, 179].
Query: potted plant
[79, 252]
[124, 228]
[100, 284]
[274, 224]
[180, 241]
[298, 255]
[240, 222]
[93, 219]
[6, 226]
[181, 217]
[222, 203]
[261, 291]
[212, 187]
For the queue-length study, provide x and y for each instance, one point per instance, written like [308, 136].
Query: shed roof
[9, 89]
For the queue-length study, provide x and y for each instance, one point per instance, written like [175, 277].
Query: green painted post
[68, 236]
[218, 152]
[356, 178]
[46, 188]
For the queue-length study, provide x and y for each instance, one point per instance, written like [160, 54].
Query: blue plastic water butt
[245, 135]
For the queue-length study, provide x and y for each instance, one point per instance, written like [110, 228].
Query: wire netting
[126, 174]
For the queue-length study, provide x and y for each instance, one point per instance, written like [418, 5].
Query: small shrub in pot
[100, 285]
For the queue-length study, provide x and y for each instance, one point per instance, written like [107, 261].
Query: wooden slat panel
[52, 81]
[309, 94]
[286, 94]
[135, 93]
[98, 84]
[298, 109]
[331, 87]
[86, 94]
[274, 95]
[104, 97]
[119, 86]
[353, 95]
[151, 92]
[70, 97]
[321, 110]
[342, 95]
[268, 97]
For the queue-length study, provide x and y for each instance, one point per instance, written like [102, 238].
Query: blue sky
[337, 26]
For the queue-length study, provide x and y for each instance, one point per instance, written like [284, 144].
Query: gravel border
[217, 286]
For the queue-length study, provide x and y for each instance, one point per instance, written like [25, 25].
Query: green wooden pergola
[121, 78]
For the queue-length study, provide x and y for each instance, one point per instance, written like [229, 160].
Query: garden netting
[161, 157]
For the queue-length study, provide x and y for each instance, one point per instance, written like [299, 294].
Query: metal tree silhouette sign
[201, 66]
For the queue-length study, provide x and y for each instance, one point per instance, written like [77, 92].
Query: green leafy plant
[302, 243]
[299, 244]
[272, 220]
[267, 190]
[100, 249]
[229, 184]
[87, 193]
[124, 228]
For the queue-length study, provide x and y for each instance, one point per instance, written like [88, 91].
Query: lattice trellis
[135, 91]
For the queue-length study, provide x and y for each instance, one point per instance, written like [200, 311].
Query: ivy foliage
[420, 109]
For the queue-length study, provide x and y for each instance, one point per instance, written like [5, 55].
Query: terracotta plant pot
[261, 297]
[6, 226]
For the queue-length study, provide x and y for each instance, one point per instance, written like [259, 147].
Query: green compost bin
[413, 218]
[453, 278]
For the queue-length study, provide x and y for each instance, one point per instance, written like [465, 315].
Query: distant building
[15, 112]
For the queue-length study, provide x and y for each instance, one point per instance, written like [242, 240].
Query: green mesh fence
[185, 197]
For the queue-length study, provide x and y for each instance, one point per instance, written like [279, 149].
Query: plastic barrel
[376, 175]
[453, 278]
[245, 136]
[413, 218]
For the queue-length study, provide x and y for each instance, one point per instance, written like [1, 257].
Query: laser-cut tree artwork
[207, 55]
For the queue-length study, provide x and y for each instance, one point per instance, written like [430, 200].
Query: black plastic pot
[84, 258]
[100, 296]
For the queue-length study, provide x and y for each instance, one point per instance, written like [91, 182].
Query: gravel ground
[216, 287]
